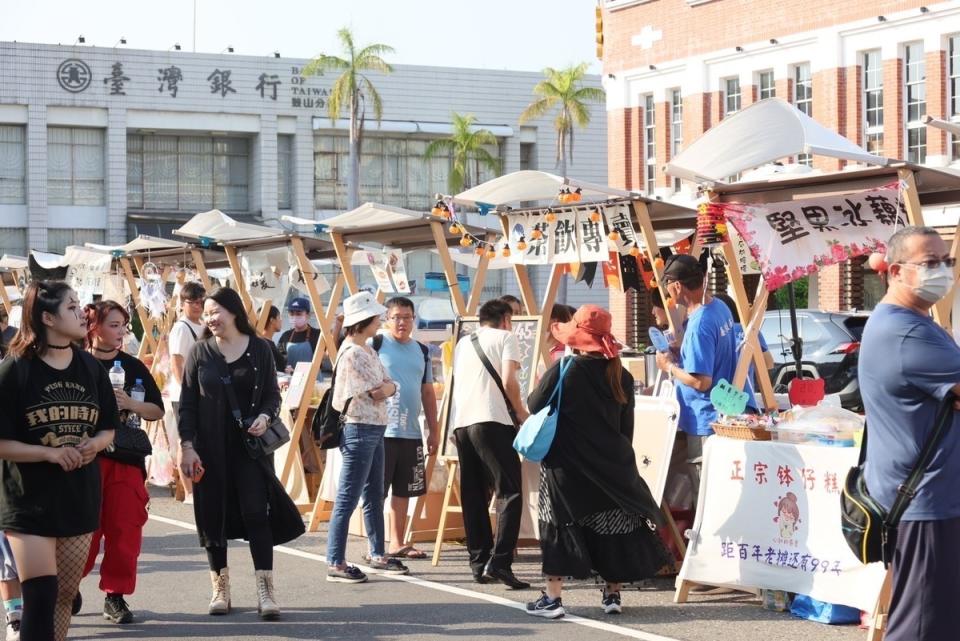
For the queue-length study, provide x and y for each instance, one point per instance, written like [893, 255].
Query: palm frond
[440, 145]
[536, 109]
[317, 66]
[340, 96]
[374, 98]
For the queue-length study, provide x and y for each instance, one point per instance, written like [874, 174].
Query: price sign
[728, 399]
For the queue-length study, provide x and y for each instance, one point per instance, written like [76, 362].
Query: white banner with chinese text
[86, 272]
[792, 239]
[768, 516]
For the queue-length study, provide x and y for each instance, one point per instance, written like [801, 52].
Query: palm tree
[561, 89]
[352, 90]
[466, 143]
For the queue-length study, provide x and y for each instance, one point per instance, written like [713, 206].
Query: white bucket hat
[360, 307]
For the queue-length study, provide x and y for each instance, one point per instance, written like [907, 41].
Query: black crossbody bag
[475, 340]
[257, 446]
[870, 531]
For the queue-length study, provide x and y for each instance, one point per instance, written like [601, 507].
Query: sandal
[408, 552]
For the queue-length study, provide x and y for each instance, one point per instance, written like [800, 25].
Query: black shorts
[403, 467]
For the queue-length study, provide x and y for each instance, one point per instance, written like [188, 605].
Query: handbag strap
[558, 388]
[333, 380]
[228, 387]
[908, 489]
[475, 341]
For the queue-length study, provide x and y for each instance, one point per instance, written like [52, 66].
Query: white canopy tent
[217, 226]
[9, 261]
[140, 243]
[950, 127]
[529, 185]
[763, 132]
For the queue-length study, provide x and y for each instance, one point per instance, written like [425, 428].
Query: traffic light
[599, 27]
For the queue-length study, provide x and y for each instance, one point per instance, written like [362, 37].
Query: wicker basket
[742, 432]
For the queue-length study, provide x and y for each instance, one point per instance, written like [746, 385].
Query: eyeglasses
[932, 263]
[401, 319]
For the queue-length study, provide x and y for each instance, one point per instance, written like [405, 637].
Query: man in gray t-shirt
[908, 364]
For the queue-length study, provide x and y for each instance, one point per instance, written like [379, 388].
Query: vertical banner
[611, 272]
[378, 266]
[262, 277]
[517, 231]
[630, 275]
[538, 249]
[397, 272]
[86, 271]
[591, 238]
[563, 239]
[618, 220]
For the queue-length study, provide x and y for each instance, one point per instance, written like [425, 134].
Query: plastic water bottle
[117, 376]
[137, 393]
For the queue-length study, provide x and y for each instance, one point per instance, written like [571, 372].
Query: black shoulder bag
[257, 446]
[870, 531]
[328, 423]
[475, 341]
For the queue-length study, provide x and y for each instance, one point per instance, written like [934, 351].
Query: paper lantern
[576, 196]
[550, 217]
[455, 229]
[506, 252]
[491, 253]
[634, 251]
[479, 251]
[595, 216]
[614, 236]
[709, 220]
[658, 263]
[439, 209]
[521, 245]
[536, 234]
[465, 242]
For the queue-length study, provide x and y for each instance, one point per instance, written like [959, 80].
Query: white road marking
[449, 589]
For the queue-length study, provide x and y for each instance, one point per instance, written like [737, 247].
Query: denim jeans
[361, 475]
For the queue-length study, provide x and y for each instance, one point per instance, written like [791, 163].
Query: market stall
[13, 279]
[793, 225]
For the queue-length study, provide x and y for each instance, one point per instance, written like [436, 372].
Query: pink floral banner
[793, 239]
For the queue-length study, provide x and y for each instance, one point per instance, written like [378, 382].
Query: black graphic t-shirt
[133, 368]
[54, 408]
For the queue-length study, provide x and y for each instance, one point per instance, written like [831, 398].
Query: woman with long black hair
[59, 413]
[235, 496]
[122, 473]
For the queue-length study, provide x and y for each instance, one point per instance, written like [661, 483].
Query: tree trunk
[353, 178]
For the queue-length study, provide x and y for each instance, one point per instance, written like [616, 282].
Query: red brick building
[871, 70]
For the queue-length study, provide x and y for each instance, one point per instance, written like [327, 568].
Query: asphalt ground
[433, 602]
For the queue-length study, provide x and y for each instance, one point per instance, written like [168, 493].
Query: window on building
[676, 128]
[59, 239]
[13, 241]
[528, 158]
[803, 99]
[12, 165]
[393, 171]
[767, 84]
[953, 73]
[873, 101]
[915, 92]
[650, 140]
[75, 166]
[284, 171]
[187, 173]
[731, 96]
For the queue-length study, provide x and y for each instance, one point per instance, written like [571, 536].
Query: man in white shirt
[484, 431]
[184, 333]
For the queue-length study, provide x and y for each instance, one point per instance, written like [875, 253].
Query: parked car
[831, 350]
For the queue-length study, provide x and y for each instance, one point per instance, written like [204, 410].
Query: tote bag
[535, 436]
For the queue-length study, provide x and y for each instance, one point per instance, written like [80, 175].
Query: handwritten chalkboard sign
[527, 331]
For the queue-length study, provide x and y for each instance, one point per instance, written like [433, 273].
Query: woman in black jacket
[235, 496]
[596, 513]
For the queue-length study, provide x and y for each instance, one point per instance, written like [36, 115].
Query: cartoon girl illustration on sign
[788, 515]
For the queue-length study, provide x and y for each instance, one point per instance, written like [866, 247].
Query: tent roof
[531, 185]
[373, 223]
[314, 247]
[219, 227]
[935, 186]
[9, 261]
[952, 127]
[140, 243]
[763, 132]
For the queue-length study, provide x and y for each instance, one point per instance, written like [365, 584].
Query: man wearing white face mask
[302, 332]
[908, 364]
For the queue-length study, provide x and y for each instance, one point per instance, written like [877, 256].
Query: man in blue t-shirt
[708, 353]
[407, 362]
[908, 364]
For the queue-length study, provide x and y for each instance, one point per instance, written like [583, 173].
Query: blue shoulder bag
[535, 437]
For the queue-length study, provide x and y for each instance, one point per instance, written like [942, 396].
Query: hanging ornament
[614, 236]
[658, 263]
[456, 229]
[439, 209]
[709, 220]
[465, 241]
[536, 234]
[634, 251]
[491, 253]
[564, 196]
[576, 196]
[479, 251]
[550, 217]
[506, 252]
[595, 216]
[522, 244]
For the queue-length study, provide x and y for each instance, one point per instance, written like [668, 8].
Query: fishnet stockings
[71, 557]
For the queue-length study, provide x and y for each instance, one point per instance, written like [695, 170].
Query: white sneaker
[13, 627]
[188, 499]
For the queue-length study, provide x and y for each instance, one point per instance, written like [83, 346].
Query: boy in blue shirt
[408, 364]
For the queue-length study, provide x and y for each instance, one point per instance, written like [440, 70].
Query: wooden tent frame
[921, 185]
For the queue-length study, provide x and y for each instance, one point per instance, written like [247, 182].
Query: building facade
[101, 144]
[870, 70]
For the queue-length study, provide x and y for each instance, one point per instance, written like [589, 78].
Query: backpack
[378, 343]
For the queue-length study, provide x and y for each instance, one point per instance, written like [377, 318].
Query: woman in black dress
[235, 496]
[596, 513]
[58, 413]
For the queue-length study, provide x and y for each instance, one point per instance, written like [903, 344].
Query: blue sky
[491, 34]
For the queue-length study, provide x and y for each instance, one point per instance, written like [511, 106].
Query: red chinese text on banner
[793, 239]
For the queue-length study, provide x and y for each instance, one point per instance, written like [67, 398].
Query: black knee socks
[217, 558]
[261, 544]
[39, 602]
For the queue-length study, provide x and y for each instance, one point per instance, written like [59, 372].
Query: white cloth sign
[538, 250]
[748, 264]
[768, 516]
[378, 266]
[397, 272]
[516, 225]
[562, 239]
[793, 239]
[86, 271]
[262, 274]
[591, 239]
[618, 220]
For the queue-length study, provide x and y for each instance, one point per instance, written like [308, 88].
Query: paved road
[433, 603]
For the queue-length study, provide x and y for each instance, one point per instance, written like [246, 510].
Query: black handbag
[130, 445]
[327, 426]
[871, 531]
[257, 446]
